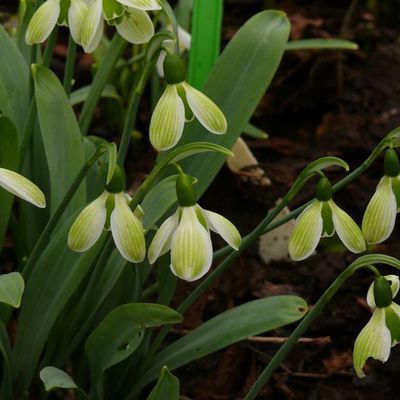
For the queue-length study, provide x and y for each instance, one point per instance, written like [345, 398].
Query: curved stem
[69, 66]
[307, 321]
[48, 53]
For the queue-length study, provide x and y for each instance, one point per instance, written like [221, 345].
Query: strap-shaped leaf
[167, 387]
[321, 44]
[14, 83]
[11, 289]
[236, 84]
[62, 139]
[232, 326]
[54, 378]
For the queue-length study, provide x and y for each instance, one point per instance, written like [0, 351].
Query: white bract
[380, 215]
[381, 333]
[21, 187]
[187, 235]
[126, 227]
[323, 218]
[85, 19]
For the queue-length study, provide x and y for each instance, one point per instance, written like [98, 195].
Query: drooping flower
[85, 19]
[323, 218]
[383, 329]
[110, 211]
[187, 234]
[181, 101]
[380, 214]
[21, 187]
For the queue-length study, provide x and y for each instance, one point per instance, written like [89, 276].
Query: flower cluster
[382, 332]
[85, 19]
[186, 233]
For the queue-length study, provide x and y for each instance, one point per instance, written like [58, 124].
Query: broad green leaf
[53, 281]
[236, 84]
[121, 332]
[80, 95]
[232, 326]
[167, 387]
[11, 289]
[54, 378]
[62, 139]
[159, 200]
[14, 82]
[321, 44]
[9, 158]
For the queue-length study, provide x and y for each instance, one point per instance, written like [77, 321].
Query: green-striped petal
[347, 230]
[136, 26]
[380, 215]
[89, 225]
[205, 110]
[22, 187]
[161, 242]
[142, 4]
[191, 248]
[394, 286]
[307, 232]
[43, 22]
[127, 231]
[167, 121]
[86, 23]
[373, 341]
[219, 224]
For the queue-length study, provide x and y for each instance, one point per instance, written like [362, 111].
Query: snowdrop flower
[21, 187]
[323, 218]
[380, 215]
[110, 211]
[178, 101]
[86, 20]
[383, 329]
[187, 234]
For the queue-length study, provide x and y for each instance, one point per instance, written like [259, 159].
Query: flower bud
[117, 183]
[323, 190]
[391, 163]
[382, 292]
[185, 191]
[174, 69]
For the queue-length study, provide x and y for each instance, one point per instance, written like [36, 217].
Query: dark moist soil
[309, 112]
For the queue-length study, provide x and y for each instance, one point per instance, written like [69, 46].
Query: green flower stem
[48, 53]
[69, 66]
[53, 221]
[337, 187]
[311, 316]
[114, 51]
[265, 226]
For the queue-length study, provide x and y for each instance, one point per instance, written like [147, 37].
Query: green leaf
[158, 201]
[121, 332]
[80, 95]
[60, 131]
[54, 378]
[5, 350]
[167, 387]
[232, 326]
[11, 289]
[254, 132]
[236, 84]
[9, 158]
[321, 44]
[53, 281]
[14, 82]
